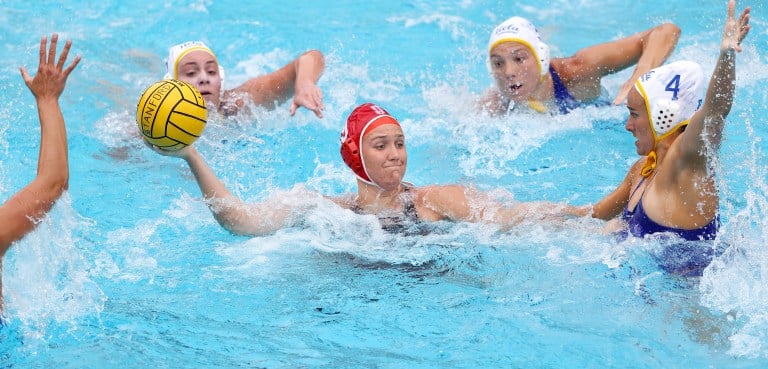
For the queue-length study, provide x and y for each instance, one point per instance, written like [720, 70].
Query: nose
[203, 79]
[629, 126]
[393, 153]
[510, 69]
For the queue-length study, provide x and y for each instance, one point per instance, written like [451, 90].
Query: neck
[374, 198]
[545, 92]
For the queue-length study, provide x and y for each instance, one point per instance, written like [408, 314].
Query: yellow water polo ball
[171, 114]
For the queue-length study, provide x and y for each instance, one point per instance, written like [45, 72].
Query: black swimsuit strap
[409, 208]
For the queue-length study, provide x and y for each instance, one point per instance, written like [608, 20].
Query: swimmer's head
[195, 63]
[363, 120]
[520, 30]
[177, 52]
[672, 94]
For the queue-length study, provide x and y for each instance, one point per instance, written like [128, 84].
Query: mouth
[515, 87]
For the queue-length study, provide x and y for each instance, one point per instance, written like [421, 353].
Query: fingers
[72, 66]
[313, 102]
[43, 44]
[318, 112]
[52, 49]
[25, 75]
[744, 26]
[731, 8]
[64, 53]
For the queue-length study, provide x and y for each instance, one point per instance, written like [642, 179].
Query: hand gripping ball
[171, 114]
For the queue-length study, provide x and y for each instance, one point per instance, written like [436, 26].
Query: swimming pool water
[131, 271]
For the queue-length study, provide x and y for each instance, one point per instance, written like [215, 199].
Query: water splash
[48, 276]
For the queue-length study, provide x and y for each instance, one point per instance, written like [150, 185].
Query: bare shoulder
[440, 202]
[347, 201]
[438, 192]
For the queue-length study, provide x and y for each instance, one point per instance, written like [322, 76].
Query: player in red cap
[373, 146]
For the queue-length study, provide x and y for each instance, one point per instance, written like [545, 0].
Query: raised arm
[706, 125]
[646, 50]
[297, 78]
[22, 211]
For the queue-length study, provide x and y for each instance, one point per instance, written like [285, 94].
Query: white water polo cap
[177, 52]
[519, 29]
[672, 94]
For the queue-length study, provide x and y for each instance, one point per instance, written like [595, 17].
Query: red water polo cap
[363, 120]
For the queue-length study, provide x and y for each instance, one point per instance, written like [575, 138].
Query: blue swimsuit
[564, 100]
[685, 258]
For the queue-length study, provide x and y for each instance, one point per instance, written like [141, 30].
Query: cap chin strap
[372, 183]
[650, 164]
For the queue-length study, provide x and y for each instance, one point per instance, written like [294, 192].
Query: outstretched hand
[51, 75]
[735, 30]
[309, 96]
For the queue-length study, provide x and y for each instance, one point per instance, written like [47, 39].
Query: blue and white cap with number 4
[672, 93]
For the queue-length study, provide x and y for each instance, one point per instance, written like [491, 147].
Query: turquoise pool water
[131, 271]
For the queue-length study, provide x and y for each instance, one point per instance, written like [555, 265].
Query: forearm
[226, 209]
[52, 165]
[657, 46]
[231, 212]
[719, 98]
[24, 210]
[21, 213]
[540, 211]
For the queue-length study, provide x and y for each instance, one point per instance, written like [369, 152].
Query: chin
[211, 102]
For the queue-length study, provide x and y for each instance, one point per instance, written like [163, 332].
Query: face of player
[385, 156]
[515, 70]
[638, 123]
[200, 69]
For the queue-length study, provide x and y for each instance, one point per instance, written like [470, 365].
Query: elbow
[51, 187]
[230, 223]
[316, 56]
[671, 30]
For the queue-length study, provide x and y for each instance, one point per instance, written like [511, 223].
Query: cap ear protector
[351, 154]
[665, 113]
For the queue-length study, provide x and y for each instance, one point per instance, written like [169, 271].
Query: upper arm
[444, 202]
[15, 223]
[21, 213]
